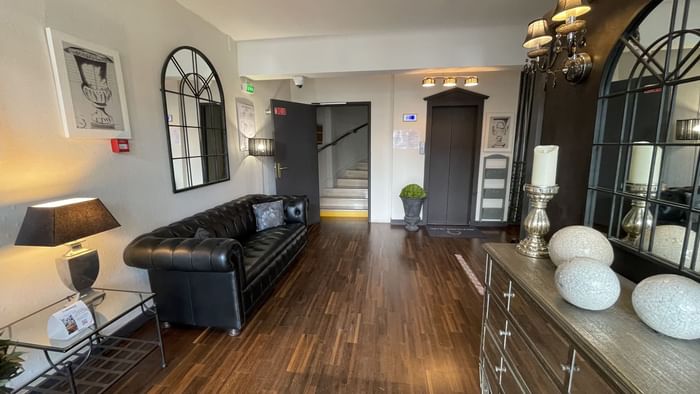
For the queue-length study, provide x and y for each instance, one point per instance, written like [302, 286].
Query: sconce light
[450, 82]
[261, 147]
[428, 82]
[688, 129]
[569, 36]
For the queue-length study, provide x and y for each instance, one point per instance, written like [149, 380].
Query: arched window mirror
[195, 120]
[644, 189]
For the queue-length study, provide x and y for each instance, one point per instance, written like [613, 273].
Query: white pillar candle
[640, 164]
[544, 166]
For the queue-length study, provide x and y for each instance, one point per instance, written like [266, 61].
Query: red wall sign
[280, 111]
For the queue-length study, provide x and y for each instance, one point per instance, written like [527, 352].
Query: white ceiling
[268, 19]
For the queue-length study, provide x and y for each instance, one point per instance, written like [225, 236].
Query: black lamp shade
[688, 129]
[261, 147]
[64, 221]
[537, 34]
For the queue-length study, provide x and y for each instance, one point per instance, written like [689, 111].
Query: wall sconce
[688, 129]
[261, 147]
[450, 82]
[569, 36]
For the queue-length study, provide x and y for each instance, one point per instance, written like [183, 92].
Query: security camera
[299, 81]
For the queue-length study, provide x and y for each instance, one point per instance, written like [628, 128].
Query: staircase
[349, 197]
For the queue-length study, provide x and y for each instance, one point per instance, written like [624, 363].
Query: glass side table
[92, 361]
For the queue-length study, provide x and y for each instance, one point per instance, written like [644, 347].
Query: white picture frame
[245, 116]
[498, 135]
[89, 86]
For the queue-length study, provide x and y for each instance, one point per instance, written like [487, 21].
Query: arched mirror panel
[195, 119]
[644, 189]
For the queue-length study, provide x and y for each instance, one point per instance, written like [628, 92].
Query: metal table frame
[96, 361]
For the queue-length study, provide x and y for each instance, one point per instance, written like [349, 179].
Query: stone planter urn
[413, 197]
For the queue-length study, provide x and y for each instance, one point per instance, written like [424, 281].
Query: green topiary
[10, 364]
[413, 191]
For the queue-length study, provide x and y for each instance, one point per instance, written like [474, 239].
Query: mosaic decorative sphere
[670, 304]
[668, 243]
[580, 241]
[587, 284]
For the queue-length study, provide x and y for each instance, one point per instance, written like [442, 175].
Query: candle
[640, 164]
[544, 166]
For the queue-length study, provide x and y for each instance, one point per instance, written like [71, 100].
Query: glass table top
[31, 331]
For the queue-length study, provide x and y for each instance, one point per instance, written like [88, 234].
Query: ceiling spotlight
[428, 82]
[450, 82]
[471, 80]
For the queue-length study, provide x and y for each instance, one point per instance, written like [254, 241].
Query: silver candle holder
[537, 222]
[638, 217]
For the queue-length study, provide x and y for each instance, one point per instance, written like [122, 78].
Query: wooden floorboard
[367, 308]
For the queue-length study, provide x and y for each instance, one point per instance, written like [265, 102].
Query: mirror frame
[167, 124]
[641, 251]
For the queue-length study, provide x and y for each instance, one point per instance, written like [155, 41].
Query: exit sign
[249, 88]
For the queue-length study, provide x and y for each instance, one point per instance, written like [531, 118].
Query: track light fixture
[569, 35]
[451, 81]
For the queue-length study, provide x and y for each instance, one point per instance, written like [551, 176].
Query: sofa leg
[234, 332]
[165, 324]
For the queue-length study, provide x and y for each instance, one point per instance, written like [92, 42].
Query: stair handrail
[353, 131]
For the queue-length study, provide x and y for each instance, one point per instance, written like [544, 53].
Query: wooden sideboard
[532, 341]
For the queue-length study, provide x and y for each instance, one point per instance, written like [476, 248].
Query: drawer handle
[508, 295]
[500, 369]
[567, 368]
[504, 333]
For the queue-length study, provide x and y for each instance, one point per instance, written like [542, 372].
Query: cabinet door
[585, 379]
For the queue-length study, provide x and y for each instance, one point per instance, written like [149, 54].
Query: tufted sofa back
[234, 219]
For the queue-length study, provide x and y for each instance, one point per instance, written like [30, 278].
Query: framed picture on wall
[245, 113]
[499, 132]
[90, 87]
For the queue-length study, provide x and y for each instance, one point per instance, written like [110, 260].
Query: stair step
[351, 182]
[347, 192]
[355, 174]
[344, 213]
[362, 165]
[343, 203]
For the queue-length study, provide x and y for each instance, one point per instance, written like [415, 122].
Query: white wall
[352, 148]
[38, 164]
[406, 50]
[391, 96]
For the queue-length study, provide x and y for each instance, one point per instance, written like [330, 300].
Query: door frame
[367, 104]
[456, 97]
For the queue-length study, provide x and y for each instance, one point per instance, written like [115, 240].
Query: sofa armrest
[296, 209]
[186, 254]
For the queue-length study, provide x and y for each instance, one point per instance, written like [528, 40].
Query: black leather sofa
[221, 280]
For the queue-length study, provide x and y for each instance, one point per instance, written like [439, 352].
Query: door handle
[279, 169]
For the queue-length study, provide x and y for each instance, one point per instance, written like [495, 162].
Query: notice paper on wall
[69, 321]
[406, 139]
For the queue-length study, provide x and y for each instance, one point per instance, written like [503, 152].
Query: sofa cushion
[268, 215]
[263, 245]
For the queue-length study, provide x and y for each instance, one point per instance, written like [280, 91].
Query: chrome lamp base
[638, 218]
[78, 270]
[537, 222]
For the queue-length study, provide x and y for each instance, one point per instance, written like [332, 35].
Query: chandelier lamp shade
[450, 81]
[569, 34]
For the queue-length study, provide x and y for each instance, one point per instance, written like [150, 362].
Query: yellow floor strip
[343, 214]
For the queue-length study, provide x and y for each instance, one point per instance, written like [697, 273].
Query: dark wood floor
[366, 309]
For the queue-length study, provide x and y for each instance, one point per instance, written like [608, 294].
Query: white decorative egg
[580, 241]
[587, 284]
[670, 304]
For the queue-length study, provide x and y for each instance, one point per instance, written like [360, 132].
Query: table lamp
[68, 222]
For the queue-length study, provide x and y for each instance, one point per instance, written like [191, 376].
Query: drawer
[496, 321]
[489, 376]
[500, 284]
[545, 337]
[530, 369]
[509, 383]
[586, 379]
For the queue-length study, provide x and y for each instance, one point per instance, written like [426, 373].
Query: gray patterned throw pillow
[268, 215]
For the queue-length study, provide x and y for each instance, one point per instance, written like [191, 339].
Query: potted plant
[10, 364]
[412, 196]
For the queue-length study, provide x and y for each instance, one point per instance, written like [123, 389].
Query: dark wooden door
[452, 146]
[296, 158]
